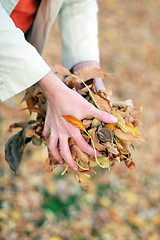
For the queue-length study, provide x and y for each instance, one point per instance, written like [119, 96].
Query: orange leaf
[74, 121]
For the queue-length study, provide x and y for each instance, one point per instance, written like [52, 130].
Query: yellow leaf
[55, 238]
[133, 129]
[121, 122]
[74, 121]
[15, 215]
[156, 219]
[124, 136]
[110, 126]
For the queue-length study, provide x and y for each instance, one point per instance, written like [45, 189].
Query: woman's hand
[63, 101]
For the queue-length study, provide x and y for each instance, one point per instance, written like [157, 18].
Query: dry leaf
[47, 166]
[34, 109]
[101, 103]
[74, 121]
[93, 134]
[61, 70]
[124, 136]
[87, 123]
[88, 171]
[90, 72]
[132, 130]
[82, 179]
[78, 154]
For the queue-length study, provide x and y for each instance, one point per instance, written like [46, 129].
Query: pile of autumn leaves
[114, 141]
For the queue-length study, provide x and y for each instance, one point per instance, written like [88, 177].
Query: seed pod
[105, 134]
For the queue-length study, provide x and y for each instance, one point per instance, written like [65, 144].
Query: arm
[79, 31]
[20, 64]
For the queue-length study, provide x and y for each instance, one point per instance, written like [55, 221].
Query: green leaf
[14, 150]
[104, 161]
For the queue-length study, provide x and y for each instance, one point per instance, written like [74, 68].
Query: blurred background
[120, 204]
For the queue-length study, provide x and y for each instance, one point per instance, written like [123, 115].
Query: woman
[24, 26]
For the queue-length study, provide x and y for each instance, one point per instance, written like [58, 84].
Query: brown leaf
[112, 148]
[61, 70]
[82, 179]
[71, 142]
[88, 171]
[87, 123]
[35, 109]
[101, 103]
[50, 163]
[105, 93]
[93, 134]
[31, 132]
[90, 72]
[83, 74]
[29, 93]
[47, 165]
[78, 154]
[74, 121]
[130, 164]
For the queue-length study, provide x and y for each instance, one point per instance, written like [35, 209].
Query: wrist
[81, 65]
[50, 84]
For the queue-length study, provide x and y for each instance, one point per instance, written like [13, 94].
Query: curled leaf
[74, 121]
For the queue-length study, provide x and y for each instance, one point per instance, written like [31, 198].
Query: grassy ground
[120, 204]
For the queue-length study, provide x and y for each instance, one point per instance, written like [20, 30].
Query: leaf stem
[88, 90]
[94, 150]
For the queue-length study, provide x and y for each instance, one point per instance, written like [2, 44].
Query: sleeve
[79, 31]
[20, 64]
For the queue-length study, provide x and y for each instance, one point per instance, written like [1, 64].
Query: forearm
[79, 31]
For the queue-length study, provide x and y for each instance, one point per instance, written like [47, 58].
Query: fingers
[66, 154]
[103, 116]
[46, 129]
[83, 145]
[53, 141]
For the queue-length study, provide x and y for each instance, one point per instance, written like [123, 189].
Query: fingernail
[75, 169]
[113, 118]
[98, 154]
[61, 161]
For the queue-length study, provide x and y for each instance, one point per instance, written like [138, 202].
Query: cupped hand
[63, 101]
